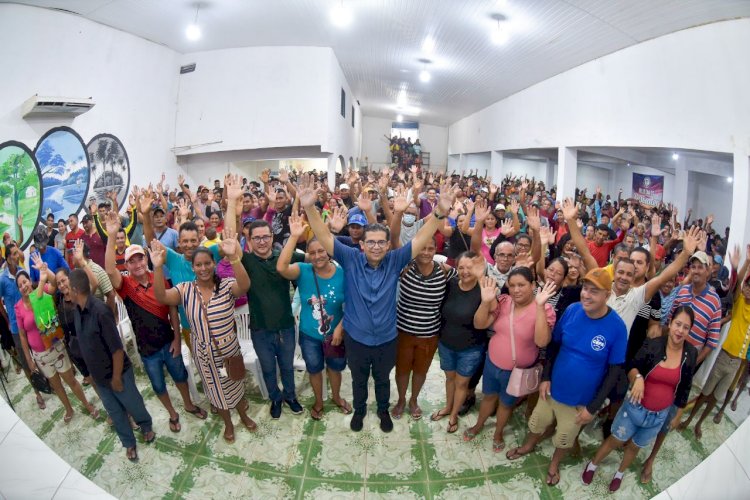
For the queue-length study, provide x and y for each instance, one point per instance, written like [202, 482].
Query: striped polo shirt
[419, 300]
[707, 309]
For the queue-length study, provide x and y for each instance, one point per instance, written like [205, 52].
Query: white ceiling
[379, 51]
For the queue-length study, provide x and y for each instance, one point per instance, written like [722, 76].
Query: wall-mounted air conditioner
[38, 105]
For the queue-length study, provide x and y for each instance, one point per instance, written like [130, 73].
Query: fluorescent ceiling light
[193, 32]
[425, 76]
[399, 118]
[675, 156]
[428, 45]
[500, 34]
[341, 16]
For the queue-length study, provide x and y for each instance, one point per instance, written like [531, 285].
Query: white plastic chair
[249, 357]
[125, 328]
[299, 362]
[187, 359]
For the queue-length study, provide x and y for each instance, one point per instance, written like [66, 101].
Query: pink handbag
[523, 381]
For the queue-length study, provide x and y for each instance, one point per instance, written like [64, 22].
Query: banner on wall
[648, 189]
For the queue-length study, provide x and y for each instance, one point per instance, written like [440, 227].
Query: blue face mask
[409, 219]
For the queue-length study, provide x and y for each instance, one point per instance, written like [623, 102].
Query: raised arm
[297, 228]
[431, 223]
[110, 259]
[230, 247]
[734, 258]
[570, 212]
[481, 212]
[689, 244]
[145, 202]
[483, 317]
[542, 330]
[233, 192]
[158, 254]
[400, 203]
[308, 194]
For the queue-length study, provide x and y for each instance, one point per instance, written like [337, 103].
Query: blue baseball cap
[358, 219]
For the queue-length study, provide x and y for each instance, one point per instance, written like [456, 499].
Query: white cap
[344, 186]
[499, 206]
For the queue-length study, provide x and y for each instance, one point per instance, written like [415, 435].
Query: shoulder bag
[523, 381]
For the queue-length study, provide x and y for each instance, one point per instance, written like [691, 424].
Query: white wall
[713, 195]
[479, 163]
[589, 177]
[529, 168]
[434, 139]
[683, 90]
[132, 81]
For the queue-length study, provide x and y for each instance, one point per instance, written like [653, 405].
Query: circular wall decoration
[110, 168]
[64, 165]
[20, 191]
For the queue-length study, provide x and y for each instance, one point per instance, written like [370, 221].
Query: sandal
[498, 446]
[316, 414]
[345, 407]
[149, 437]
[252, 427]
[469, 435]
[198, 412]
[174, 424]
[93, 411]
[416, 413]
[132, 454]
[645, 476]
[452, 427]
[438, 416]
[40, 402]
[229, 438]
[68, 417]
[515, 454]
[553, 478]
[397, 412]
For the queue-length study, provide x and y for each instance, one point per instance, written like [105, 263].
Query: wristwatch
[438, 217]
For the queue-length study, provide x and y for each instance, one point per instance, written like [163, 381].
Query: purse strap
[512, 334]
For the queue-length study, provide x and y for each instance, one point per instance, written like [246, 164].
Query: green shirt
[270, 302]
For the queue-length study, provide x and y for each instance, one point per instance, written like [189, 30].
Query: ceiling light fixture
[341, 16]
[428, 46]
[424, 76]
[400, 118]
[193, 31]
[675, 156]
[730, 180]
[401, 98]
[499, 34]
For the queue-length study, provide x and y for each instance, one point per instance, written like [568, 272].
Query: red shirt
[70, 243]
[659, 387]
[96, 247]
[601, 254]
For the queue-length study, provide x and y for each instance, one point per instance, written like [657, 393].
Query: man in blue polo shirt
[584, 360]
[50, 255]
[371, 279]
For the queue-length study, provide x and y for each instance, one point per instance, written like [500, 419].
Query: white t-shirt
[628, 305]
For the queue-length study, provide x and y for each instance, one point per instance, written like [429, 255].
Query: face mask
[409, 219]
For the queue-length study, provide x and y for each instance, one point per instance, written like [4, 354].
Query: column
[549, 174]
[462, 163]
[681, 178]
[332, 159]
[739, 232]
[567, 172]
[496, 167]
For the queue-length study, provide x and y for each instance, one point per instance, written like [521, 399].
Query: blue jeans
[154, 366]
[121, 404]
[635, 422]
[276, 346]
[315, 360]
[463, 362]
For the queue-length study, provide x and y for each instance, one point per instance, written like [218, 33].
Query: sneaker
[588, 475]
[294, 405]
[386, 424]
[468, 405]
[614, 485]
[275, 409]
[357, 422]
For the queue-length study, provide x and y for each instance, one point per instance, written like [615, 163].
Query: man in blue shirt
[584, 359]
[371, 279]
[51, 255]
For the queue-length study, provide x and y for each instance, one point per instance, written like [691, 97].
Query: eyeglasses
[505, 255]
[264, 239]
[376, 243]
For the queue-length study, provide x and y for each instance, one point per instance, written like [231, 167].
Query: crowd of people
[405, 153]
[580, 308]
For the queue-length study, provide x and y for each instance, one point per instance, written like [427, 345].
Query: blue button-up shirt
[54, 259]
[10, 294]
[370, 311]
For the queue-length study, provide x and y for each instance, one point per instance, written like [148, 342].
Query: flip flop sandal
[345, 407]
[198, 412]
[132, 454]
[316, 414]
[397, 414]
[93, 411]
[438, 416]
[452, 427]
[553, 478]
[468, 435]
[416, 413]
[251, 428]
[174, 424]
[515, 455]
[40, 403]
[68, 418]
[645, 477]
[149, 440]
[498, 446]
[229, 439]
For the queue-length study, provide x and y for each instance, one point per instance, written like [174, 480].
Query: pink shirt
[488, 238]
[224, 270]
[25, 320]
[523, 328]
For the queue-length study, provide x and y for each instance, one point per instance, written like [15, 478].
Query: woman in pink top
[532, 321]
[490, 232]
[52, 362]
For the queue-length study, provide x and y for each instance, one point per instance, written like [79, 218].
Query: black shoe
[468, 405]
[357, 421]
[386, 424]
[275, 409]
[294, 405]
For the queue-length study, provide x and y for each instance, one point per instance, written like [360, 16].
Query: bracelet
[236, 261]
[438, 217]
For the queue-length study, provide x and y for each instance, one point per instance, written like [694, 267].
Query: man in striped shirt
[706, 305]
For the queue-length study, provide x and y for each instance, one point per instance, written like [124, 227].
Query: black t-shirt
[639, 329]
[457, 331]
[66, 315]
[457, 243]
[280, 226]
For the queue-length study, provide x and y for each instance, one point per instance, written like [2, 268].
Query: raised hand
[532, 218]
[383, 183]
[145, 202]
[734, 257]
[488, 289]
[158, 253]
[414, 170]
[506, 227]
[112, 223]
[481, 210]
[180, 180]
[364, 202]
[570, 211]
[233, 188]
[544, 293]
[544, 234]
[265, 177]
[337, 221]
[514, 206]
[400, 202]
[445, 200]
[692, 240]
[493, 190]
[38, 264]
[709, 219]
[78, 256]
[283, 176]
[297, 225]
[229, 245]
[307, 192]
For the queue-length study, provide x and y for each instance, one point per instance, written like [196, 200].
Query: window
[343, 103]
[352, 116]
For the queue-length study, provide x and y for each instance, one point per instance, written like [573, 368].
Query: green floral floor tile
[316, 489]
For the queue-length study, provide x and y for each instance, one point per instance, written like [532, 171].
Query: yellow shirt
[738, 337]
[610, 268]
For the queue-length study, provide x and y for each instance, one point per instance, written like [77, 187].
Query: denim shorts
[635, 422]
[154, 366]
[312, 353]
[495, 381]
[465, 362]
[670, 416]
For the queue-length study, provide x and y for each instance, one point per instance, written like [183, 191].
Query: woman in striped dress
[421, 291]
[209, 306]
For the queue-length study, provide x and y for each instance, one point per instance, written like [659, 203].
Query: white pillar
[567, 172]
[739, 232]
[462, 162]
[549, 174]
[496, 167]
[332, 159]
[681, 178]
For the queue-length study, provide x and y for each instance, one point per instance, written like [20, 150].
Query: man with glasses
[371, 278]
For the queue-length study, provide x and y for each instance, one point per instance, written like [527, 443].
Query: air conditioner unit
[38, 105]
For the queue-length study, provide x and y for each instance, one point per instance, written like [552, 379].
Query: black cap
[86, 218]
[40, 237]
[158, 209]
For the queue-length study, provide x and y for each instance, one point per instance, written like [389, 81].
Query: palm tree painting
[110, 168]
